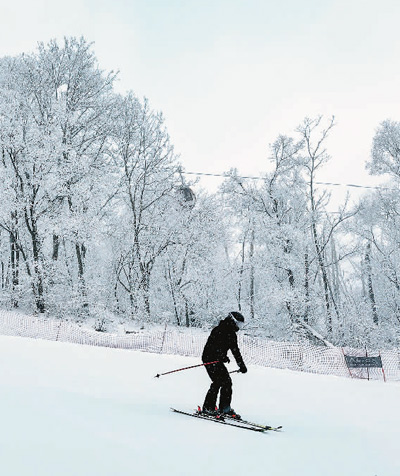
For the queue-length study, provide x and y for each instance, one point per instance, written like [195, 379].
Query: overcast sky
[230, 75]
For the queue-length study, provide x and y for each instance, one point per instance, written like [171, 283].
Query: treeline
[96, 219]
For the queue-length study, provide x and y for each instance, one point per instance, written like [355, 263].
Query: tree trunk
[56, 246]
[307, 287]
[80, 251]
[39, 298]
[187, 313]
[80, 255]
[293, 315]
[241, 271]
[252, 283]
[172, 288]
[145, 286]
[324, 275]
[14, 261]
[3, 277]
[371, 294]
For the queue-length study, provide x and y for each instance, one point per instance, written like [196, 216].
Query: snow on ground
[76, 410]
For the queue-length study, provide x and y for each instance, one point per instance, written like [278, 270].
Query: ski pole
[234, 371]
[185, 368]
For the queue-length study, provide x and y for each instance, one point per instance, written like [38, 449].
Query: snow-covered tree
[146, 165]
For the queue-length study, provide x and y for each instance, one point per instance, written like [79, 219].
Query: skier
[222, 338]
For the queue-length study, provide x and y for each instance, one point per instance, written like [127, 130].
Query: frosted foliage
[386, 150]
[94, 226]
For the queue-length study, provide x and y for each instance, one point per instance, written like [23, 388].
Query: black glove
[243, 368]
[226, 359]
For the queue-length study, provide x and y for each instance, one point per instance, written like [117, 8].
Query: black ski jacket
[222, 338]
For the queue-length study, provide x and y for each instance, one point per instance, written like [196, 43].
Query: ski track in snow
[76, 410]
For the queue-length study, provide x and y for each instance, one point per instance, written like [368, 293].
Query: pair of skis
[231, 421]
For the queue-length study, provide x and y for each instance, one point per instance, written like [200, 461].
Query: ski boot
[230, 413]
[207, 412]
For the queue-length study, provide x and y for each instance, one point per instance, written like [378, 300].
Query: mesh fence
[190, 342]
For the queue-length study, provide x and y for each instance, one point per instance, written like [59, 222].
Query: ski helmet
[237, 318]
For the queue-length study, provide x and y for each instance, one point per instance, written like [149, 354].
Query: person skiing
[222, 338]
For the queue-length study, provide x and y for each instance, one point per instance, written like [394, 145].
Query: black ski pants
[221, 382]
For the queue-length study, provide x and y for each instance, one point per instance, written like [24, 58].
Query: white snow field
[76, 410]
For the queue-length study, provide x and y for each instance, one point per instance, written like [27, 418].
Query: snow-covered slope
[79, 411]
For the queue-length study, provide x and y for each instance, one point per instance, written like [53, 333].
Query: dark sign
[363, 362]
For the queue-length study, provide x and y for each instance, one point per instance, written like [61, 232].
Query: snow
[76, 410]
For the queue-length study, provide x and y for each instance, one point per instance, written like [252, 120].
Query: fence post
[383, 370]
[58, 331]
[348, 368]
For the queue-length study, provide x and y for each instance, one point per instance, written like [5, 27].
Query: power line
[370, 187]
